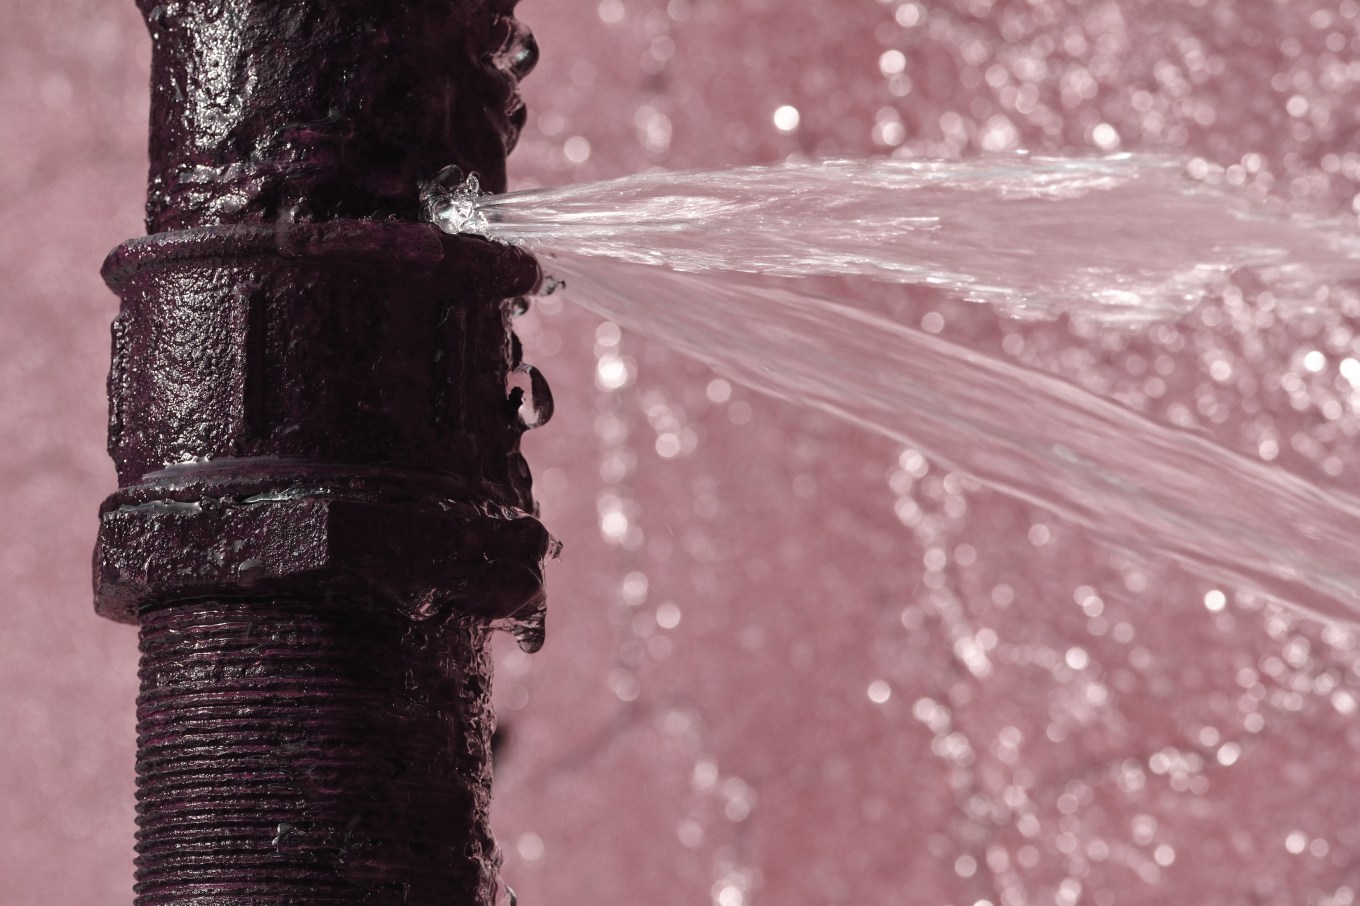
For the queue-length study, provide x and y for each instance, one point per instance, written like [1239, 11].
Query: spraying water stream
[709, 263]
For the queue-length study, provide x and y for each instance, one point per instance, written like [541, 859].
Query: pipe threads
[312, 751]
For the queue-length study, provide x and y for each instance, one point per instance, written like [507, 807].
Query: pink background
[708, 721]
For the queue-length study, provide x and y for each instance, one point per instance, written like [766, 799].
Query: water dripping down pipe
[322, 508]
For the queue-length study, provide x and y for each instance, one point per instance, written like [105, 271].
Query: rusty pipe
[322, 508]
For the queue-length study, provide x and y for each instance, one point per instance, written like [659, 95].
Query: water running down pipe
[322, 506]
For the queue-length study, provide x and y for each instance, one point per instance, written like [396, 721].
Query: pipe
[322, 508]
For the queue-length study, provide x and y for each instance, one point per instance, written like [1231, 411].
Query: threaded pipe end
[314, 751]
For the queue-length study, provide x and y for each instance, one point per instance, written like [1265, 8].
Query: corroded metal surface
[316, 110]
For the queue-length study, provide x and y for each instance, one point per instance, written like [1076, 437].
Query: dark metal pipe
[322, 506]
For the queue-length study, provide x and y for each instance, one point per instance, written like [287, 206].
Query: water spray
[716, 264]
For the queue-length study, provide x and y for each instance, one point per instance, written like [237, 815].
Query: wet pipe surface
[323, 508]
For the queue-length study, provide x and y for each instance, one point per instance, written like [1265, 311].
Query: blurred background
[787, 662]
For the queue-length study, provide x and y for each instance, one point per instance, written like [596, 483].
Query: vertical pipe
[322, 506]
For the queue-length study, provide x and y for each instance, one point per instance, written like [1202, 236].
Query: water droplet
[576, 149]
[518, 53]
[529, 628]
[530, 847]
[551, 285]
[529, 397]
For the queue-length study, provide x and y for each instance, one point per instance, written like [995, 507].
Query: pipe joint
[319, 408]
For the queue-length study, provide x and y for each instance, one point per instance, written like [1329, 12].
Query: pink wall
[1063, 724]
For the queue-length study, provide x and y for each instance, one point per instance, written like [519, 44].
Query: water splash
[451, 202]
[1125, 238]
